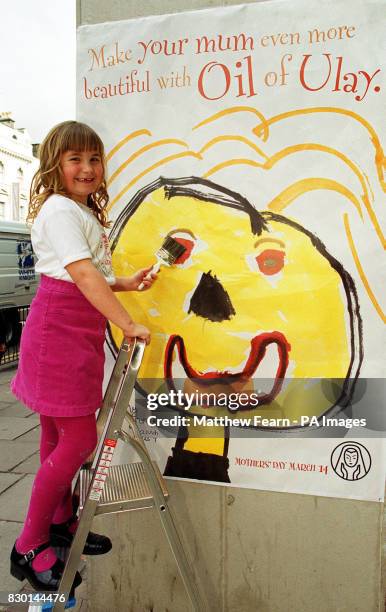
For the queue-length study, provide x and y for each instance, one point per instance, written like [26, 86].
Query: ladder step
[126, 488]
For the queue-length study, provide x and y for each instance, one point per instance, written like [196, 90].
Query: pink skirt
[61, 363]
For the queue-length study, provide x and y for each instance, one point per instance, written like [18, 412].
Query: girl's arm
[94, 287]
[131, 283]
[122, 283]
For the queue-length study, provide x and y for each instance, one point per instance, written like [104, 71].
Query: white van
[18, 281]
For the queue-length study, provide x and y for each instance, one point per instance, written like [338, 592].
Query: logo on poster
[351, 461]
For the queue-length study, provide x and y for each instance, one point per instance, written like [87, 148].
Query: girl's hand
[140, 277]
[136, 330]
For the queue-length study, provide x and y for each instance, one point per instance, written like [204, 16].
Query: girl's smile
[82, 173]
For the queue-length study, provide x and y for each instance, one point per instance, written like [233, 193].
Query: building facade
[17, 167]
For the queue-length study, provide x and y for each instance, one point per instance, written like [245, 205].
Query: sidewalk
[19, 461]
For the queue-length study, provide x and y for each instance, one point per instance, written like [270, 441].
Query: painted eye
[270, 261]
[188, 243]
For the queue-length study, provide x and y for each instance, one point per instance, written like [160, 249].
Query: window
[22, 212]
[1, 169]
[2, 210]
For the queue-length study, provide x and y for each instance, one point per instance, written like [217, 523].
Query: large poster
[252, 135]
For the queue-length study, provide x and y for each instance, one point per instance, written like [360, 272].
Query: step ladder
[102, 488]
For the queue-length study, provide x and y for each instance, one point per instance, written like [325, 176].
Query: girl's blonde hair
[66, 136]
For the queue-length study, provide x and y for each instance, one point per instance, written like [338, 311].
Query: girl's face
[82, 173]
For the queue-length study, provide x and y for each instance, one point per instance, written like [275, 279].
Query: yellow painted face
[256, 306]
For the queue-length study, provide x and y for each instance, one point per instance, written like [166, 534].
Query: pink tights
[65, 443]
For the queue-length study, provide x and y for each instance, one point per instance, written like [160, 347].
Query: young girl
[61, 361]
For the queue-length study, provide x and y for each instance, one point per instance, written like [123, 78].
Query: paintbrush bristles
[170, 250]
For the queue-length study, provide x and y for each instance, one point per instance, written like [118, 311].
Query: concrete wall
[253, 550]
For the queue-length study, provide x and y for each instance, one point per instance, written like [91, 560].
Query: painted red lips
[259, 345]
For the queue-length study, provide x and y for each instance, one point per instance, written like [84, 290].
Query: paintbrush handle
[155, 269]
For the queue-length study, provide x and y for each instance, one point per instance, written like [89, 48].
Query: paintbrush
[169, 252]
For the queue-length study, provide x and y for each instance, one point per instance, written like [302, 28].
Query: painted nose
[210, 300]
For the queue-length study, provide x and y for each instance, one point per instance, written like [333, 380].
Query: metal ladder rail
[166, 516]
[110, 395]
[112, 390]
[111, 434]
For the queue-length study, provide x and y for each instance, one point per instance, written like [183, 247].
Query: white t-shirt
[65, 231]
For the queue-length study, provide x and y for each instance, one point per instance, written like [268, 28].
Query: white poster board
[253, 135]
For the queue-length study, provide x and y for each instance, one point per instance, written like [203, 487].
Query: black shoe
[96, 544]
[49, 580]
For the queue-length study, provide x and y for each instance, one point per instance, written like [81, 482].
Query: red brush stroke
[274, 258]
[258, 350]
[188, 244]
